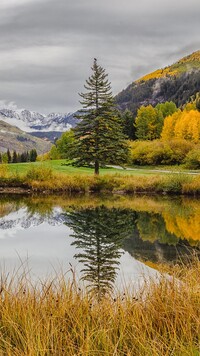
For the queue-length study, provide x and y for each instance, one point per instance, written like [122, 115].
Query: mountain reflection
[98, 234]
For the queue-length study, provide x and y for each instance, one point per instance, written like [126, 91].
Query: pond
[105, 240]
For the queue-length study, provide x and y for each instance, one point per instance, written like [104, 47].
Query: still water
[106, 241]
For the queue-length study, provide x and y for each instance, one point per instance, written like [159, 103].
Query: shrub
[139, 151]
[180, 149]
[173, 183]
[159, 152]
[3, 170]
[192, 159]
[41, 173]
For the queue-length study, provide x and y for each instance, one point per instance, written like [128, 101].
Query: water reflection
[98, 235]
[97, 230]
[101, 234]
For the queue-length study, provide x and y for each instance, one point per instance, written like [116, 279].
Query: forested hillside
[176, 83]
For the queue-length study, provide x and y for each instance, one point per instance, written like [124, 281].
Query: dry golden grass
[55, 318]
[192, 187]
[45, 179]
[168, 184]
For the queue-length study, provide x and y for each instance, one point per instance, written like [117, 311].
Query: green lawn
[58, 166]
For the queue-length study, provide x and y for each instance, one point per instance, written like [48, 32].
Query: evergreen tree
[18, 157]
[14, 158]
[33, 155]
[27, 156]
[23, 157]
[99, 137]
[9, 156]
[0, 158]
[128, 122]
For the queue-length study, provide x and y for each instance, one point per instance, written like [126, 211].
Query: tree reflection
[152, 241]
[99, 234]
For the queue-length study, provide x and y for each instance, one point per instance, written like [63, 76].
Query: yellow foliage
[160, 73]
[175, 69]
[184, 227]
[182, 124]
[169, 125]
[194, 57]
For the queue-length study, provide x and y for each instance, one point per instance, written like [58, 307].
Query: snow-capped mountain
[30, 121]
[22, 219]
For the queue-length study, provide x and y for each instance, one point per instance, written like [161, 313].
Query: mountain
[15, 139]
[47, 135]
[176, 83]
[23, 219]
[30, 121]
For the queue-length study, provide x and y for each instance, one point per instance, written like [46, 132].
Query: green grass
[58, 166]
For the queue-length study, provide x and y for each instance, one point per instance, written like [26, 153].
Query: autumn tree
[4, 158]
[148, 123]
[99, 135]
[167, 108]
[182, 124]
[65, 145]
[169, 125]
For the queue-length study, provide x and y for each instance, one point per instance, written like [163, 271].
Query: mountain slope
[13, 138]
[177, 83]
[32, 121]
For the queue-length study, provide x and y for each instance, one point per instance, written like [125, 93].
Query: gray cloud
[47, 46]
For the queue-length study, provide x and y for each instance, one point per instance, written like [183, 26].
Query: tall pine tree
[9, 156]
[14, 158]
[99, 136]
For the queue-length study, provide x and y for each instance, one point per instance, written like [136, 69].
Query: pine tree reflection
[99, 234]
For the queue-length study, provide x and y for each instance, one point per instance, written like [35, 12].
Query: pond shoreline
[21, 190]
[45, 181]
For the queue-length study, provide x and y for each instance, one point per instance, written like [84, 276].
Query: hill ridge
[14, 139]
[177, 83]
[190, 61]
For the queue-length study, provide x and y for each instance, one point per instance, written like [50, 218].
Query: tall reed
[59, 318]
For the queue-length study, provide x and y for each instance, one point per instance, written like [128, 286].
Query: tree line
[14, 157]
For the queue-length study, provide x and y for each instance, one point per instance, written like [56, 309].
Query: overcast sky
[47, 46]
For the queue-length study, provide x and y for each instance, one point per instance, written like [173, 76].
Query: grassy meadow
[62, 166]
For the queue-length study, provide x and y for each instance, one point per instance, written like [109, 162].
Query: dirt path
[154, 170]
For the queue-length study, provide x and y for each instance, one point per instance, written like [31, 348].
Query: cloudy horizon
[47, 47]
